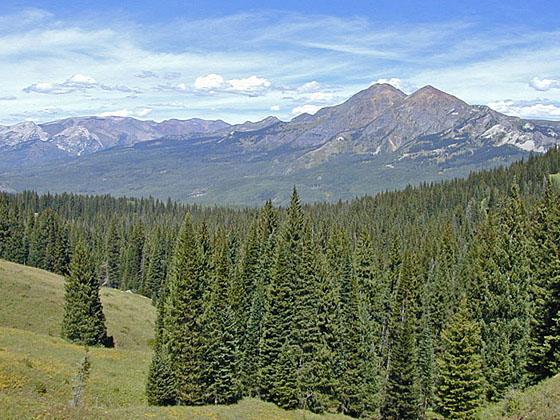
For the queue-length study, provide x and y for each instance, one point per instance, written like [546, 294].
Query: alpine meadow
[378, 248]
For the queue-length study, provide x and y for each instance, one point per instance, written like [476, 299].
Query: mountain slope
[37, 367]
[378, 139]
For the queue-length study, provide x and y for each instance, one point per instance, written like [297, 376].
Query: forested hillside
[437, 298]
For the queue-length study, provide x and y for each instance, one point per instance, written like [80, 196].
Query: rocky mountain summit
[379, 138]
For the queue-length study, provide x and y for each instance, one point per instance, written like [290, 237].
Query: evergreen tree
[545, 266]
[501, 292]
[401, 399]
[460, 384]
[133, 259]
[221, 348]
[113, 245]
[161, 386]
[156, 270]
[182, 338]
[83, 321]
[279, 315]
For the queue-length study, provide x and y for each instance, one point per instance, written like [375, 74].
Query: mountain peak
[430, 91]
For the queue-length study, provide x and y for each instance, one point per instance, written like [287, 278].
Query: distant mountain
[378, 139]
[86, 135]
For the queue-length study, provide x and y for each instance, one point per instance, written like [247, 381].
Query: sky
[242, 60]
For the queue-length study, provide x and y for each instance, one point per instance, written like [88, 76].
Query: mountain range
[378, 139]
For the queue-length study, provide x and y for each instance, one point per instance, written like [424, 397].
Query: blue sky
[237, 60]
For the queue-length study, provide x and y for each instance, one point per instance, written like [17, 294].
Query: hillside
[37, 367]
[540, 402]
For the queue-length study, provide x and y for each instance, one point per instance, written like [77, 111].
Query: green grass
[37, 366]
[555, 179]
[540, 402]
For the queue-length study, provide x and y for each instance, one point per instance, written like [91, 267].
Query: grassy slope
[541, 402]
[37, 367]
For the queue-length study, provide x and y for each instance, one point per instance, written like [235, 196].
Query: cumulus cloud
[528, 109]
[305, 109]
[251, 85]
[275, 108]
[77, 82]
[137, 113]
[209, 82]
[543, 85]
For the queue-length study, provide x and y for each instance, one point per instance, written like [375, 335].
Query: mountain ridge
[380, 138]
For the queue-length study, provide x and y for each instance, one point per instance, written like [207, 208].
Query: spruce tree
[182, 338]
[83, 321]
[545, 266]
[501, 292]
[279, 315]
[307, 340]
[161, 386]
[401, 397]
[133, 259]
[221, 347]
[460, 384]
[156, 267]
[113, 246]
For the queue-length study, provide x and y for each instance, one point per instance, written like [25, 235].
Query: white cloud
[77, 82]
[249, 84]
[136, 113]
[209, 82]
[527, 109]
[216, 83]
[305, 109]
[275, 108]
[312, 86]
[81, 80]
[543, 85]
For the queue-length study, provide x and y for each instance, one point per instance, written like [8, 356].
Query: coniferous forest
[438, 298]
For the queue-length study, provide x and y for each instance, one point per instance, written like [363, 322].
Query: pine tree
[83, 321]
[156, 267]
[545, 266]
[113, 245]
[49, 247]
[307, 342]
[251, 340]
[221, 347]
[133, 259]
[401, 399]
[161, 386]
[500, 290]
[182, 338]
[426, 360]
[279, 315]
[460, 384]
[358, 382]
[12, 234]
[372, 287]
